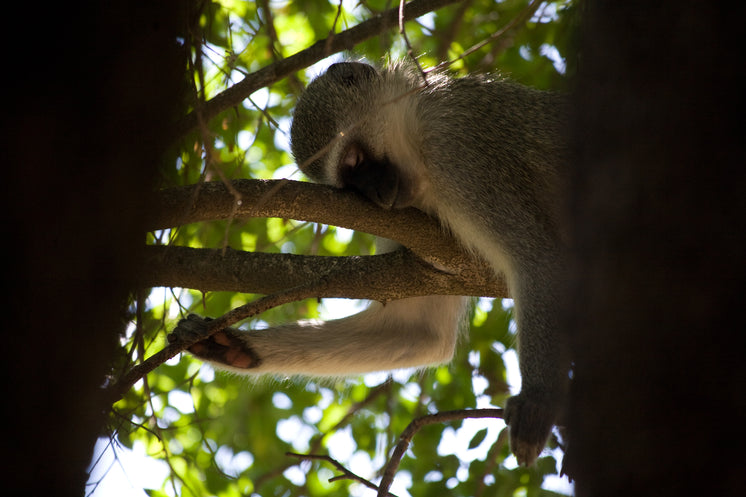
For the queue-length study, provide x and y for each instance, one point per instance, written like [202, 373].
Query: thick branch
[323, 48]
[382, 277]
[305, 202]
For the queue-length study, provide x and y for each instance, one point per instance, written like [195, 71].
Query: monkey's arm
[544, 364]
[404, 333]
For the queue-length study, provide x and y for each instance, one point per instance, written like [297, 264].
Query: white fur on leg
[412, 332]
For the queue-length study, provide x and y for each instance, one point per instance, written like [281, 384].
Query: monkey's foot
[222, 347]
[530, 418]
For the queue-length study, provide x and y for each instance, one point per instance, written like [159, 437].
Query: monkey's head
[338, 134]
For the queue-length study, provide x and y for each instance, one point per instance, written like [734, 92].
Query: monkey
[480, 153]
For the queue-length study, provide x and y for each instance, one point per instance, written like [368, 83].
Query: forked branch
[404, 440]
[406, 437]
[434, 263]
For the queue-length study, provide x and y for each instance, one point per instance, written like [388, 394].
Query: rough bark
[433, 264]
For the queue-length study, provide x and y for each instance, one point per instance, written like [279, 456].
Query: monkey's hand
[530, 417]
[222, 347]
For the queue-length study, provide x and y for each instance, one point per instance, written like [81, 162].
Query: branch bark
[302, 201]
[433, 264]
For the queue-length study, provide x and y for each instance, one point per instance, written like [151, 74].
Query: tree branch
[302, 201]
[126, 381]
[447, 268]
[323, 48]
[346, 473]
[389, 276]
[406, 437]
[404, 440]
[318, 440]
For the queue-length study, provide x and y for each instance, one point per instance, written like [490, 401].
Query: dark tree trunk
[90, 89]
[658, 298]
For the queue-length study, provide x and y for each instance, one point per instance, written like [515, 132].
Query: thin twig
[346, 473]
[316, 442]
[117, 390]
[491, 461]
[410, 50]
[406, 437]
[332, 34]
[519, 19]
[316, 52]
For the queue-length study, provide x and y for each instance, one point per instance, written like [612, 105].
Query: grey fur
[493, 157]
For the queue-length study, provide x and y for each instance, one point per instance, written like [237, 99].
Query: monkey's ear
[351, 73]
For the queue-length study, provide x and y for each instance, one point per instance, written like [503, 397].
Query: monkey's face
[340, 134]
[329, 110]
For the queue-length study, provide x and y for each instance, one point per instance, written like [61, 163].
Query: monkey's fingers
[530, 420]
[224, 348]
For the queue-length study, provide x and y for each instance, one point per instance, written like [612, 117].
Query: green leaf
[478, 438]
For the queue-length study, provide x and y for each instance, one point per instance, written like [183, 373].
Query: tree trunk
[657, 302]
[90, 90]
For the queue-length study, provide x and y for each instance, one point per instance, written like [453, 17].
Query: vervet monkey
[483, 155]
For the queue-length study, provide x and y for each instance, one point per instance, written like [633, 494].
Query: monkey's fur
[483, 155]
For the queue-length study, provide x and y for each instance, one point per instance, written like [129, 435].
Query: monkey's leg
[404, 333]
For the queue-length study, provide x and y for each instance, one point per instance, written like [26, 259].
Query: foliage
[225, 435]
